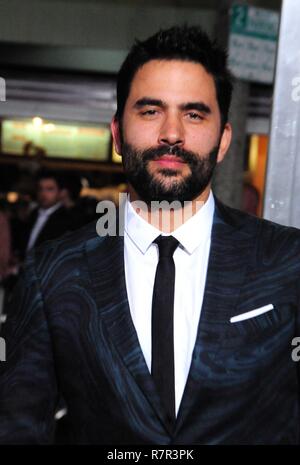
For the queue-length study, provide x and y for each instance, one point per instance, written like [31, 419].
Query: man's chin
[162, 193]
[168, 181]
[164, 173]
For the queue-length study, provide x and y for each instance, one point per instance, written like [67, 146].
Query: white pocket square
[252, 313]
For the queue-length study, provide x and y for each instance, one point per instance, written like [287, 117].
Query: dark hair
[178, 43]
[72, 183]
[50, 174]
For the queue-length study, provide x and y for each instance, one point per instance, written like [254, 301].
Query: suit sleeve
[297, 335]
[28, 388]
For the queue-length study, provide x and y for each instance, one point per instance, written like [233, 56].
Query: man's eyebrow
[199, 106]
[142, 102]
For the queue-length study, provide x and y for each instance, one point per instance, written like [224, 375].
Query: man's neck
[162, 216]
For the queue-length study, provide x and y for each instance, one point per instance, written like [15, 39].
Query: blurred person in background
[70, 190]
[87, 205]
[5, 245]
[70, 197]
[81, 209]
[50, 219]
[19, 215]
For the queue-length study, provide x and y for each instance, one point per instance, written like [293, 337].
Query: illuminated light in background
[37, 122]
[253, 152]
[48, 127]
[12, 197]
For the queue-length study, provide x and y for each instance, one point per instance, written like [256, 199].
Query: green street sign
[254, 22]
[252, 43]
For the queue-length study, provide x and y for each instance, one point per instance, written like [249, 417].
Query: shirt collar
[141, 233]
[49, 211]
[190, 234]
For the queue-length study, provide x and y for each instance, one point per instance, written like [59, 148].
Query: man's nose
[172, 131]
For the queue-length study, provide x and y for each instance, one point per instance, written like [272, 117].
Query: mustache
[154, 153]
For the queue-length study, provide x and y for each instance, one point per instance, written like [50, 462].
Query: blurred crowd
[57, 207]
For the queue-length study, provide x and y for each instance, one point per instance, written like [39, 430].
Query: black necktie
[162, 368]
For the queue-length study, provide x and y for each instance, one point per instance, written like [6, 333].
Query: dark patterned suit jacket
[69, 331]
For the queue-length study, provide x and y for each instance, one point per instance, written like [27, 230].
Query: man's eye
[149, 112]
[194, 116]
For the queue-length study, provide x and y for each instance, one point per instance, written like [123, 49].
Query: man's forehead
[175, 80]
[44, 181]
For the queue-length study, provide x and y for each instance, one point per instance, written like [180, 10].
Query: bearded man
[175, 332]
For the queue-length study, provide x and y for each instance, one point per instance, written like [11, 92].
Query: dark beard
[149, 188]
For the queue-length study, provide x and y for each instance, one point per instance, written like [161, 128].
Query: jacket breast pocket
[253, 349]
[260, 326]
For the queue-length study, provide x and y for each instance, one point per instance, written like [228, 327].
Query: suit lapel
[230, 254]
[106, 266]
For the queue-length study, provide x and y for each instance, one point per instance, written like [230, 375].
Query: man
[152, 337]
[50, 219]
[70, 195]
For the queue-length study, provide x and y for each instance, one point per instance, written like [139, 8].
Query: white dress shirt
[43, 215]
[191, 261]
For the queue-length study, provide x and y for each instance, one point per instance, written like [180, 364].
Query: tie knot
[166, 245]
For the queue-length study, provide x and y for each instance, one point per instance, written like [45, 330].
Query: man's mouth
[169, 161]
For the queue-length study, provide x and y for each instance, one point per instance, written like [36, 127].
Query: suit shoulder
[62, 254]
[280, 242]
[272, 240]
[269, 231]
[264, 227]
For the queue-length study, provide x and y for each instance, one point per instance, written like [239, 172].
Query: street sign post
[252, 43]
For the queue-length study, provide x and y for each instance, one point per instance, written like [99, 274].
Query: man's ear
[116, 134]
[225, 142]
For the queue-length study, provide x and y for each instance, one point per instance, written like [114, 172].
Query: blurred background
[58, 65]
